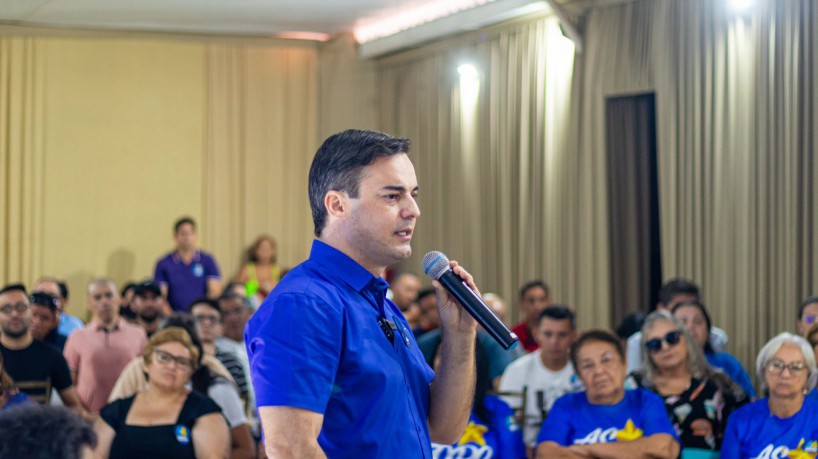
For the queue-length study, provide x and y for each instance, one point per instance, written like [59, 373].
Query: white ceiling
[254, 17]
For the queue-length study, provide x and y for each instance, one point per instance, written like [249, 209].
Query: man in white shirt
[546, 373]
[675, 291]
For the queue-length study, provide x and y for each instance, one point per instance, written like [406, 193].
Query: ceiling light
[741, 4]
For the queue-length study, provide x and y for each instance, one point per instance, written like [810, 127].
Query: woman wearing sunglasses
[698, 399]
[785, 424]
[606, 421]
[697, 321]
[164, 420]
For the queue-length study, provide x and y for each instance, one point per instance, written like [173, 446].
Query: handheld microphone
[436, 266]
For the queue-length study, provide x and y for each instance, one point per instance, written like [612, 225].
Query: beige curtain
[21, 158]
[500, 189]
[737, 131]
[261, 132]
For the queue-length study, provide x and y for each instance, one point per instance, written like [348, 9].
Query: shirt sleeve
[160, 276]
[60, 375]
[730, 444]
[294, 345]
[211, 268]
[654, 415]
[110, 413]
[556, 426]
[71, 354]
[227, 397]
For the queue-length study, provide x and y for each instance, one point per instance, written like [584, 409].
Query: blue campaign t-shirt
[500, 438]
[575, 421]
[754, 432]
[316, 343]
[186, 282]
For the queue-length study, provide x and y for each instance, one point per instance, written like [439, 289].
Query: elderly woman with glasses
[164, 420]
[785, 424]
[606, 421]
[698, 398]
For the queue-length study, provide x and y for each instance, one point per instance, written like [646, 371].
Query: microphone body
[436, 266]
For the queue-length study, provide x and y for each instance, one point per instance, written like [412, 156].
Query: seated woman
[698, 399]
[210, 378]
[260, 272]
[606, 420]
[164, 420]
[696, 319]
[492, 430]
[9, 394]
[783, 424]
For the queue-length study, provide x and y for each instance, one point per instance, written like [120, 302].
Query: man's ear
[337, 204]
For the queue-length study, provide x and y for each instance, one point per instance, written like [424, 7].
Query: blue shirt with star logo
[573, 420]
[500, 438]
[316, 343]
[754, 432]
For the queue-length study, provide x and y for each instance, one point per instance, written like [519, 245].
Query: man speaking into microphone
[335, 367]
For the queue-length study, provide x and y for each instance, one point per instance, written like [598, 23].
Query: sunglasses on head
[672, 339]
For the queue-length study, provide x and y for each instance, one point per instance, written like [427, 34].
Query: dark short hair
[559, 312]
[807, 301]
[424, 293]
[14, 287]
[534, 284]
[128, 286]
[631, 324]
[675, 287]
[183, 221]
[338, 163]
[595, 335]
[45, 299]
[63, 290]
[207, 302]
[38, 431]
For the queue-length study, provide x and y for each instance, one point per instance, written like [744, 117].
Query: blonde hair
[172, 335]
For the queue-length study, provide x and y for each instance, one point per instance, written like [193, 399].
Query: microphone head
[434, 264]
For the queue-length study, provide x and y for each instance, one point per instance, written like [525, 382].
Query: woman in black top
[164, 420]
[698, 398]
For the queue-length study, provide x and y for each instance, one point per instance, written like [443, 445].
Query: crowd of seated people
[161, 370]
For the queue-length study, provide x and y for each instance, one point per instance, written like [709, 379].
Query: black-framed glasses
[672, 339]
[19, 307]
[165, 358]
[212, 320]
[777, 367]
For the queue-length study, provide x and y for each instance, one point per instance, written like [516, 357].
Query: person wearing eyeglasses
[606, 420]
[165, 419]
[784, 423]
[807, 314]
[698, 399]
[36, 367]
[694, 316]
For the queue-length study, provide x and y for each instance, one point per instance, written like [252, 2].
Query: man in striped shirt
[208, 316]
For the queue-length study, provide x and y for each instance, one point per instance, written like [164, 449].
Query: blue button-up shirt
[316, 343]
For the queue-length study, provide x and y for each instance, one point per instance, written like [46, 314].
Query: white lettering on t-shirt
[462, 451]
[598, 436]
[773, 452]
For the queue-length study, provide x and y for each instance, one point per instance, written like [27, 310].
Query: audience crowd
[161, 370]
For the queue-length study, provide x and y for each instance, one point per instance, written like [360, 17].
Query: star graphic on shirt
[800, 453]
[474, 433]
[629, 433]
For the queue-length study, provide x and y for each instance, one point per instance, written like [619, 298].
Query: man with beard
[45, 319]
[98, 353]
[34, 366]
[149, 306]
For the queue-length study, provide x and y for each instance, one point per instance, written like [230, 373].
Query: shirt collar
[177, 259]
[98, 326]
[340, 265]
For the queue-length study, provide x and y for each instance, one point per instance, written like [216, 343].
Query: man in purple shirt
[187, 273]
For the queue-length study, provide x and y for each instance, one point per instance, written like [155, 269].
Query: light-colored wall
[123, 155]
[129, 145]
